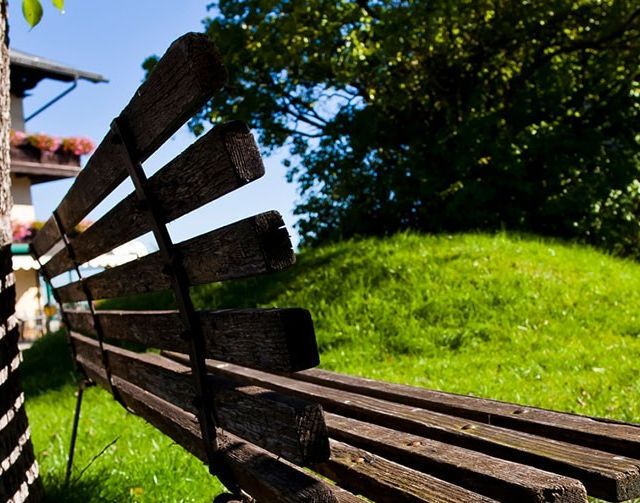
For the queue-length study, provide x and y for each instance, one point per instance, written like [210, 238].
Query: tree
[443, 115]
[19, 481]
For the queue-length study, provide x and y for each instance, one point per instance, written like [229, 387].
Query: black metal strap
[88, 295]
[82, 385]
[174, 269]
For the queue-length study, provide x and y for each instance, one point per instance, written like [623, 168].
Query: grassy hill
[520, 319]
[512, 318]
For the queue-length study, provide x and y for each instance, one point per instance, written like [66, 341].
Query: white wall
[23, 210]
[17, 114]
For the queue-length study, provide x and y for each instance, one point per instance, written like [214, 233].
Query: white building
[29, 166]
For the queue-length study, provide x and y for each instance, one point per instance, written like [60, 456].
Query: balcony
[44, 158]
[41, 166]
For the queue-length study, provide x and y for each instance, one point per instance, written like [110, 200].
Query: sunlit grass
[138, 464]
[519, 319]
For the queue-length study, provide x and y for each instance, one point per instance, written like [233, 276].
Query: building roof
[27, 70]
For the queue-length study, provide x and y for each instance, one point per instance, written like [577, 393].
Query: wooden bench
[237, 387]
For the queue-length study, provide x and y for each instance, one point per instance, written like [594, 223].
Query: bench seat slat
[184, 79]
[261, 474]
[605, 475]
[484, 474]
[223, 160]
[289, 427]
[385, 481]
[602, 434]
[249, 247]
[281, 340]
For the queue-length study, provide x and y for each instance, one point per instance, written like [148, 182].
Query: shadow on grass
[47, 365]
[79, 491]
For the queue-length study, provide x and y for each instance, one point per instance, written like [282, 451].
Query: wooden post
[19, 479]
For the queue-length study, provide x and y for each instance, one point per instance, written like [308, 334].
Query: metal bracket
[96, 321]
[82, 385]
[174, 269]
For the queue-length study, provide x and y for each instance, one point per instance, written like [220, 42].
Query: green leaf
[58, 4]
[32, 11]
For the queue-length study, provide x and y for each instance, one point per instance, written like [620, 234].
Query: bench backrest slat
[279, 340]
[223, 160]
[182, 82]
[287, 426]
[249, 247]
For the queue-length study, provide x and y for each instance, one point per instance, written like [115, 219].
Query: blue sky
[113, 37]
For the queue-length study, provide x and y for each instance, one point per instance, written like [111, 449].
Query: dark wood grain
[181, 83]
[11, 397]
[603, 434]
[14, 434]
[249, 247]
[384, 481]
[287, 426]
[478, 472]
[605, 475]
[7, 301]
[223, 160]
[19, 479]
[8, 344]
[281, 340]
[262, 475]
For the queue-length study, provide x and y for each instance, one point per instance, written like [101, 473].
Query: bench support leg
[74, 430]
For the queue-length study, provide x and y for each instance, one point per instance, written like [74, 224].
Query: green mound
[521, 319]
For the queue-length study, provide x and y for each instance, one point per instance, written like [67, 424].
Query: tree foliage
[443, 115]
[32, 10]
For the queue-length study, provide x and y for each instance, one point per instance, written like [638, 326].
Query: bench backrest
[246, 433]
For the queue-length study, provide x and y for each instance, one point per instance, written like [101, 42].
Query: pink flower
[17, 138]
[44, 142]
[73, 145]
[23, 232]
[78, 146]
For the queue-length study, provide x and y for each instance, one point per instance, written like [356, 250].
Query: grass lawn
[519, 319]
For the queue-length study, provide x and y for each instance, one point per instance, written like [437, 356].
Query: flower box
[29, 153]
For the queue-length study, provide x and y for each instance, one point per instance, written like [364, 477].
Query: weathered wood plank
[289, 427]
[605, 475]
[249, 247]
[223, 160]
[384, 481]
[184, 79]
[259, 473]
[281, 340]
[478, 472]
[602, 434]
